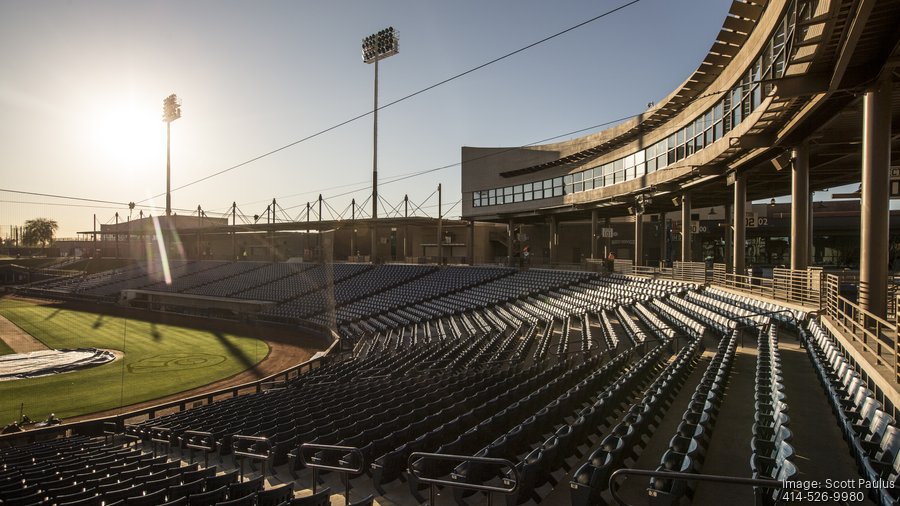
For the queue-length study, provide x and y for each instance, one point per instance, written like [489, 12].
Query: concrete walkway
[17, 339]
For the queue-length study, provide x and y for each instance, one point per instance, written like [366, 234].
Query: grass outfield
[5, 349]
[159, 360]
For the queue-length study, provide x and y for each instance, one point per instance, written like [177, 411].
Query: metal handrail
[156, 434]
[207, 448]
[345, 471]
[511, 487]
[860, 325]
[686, 476]
[264, 457]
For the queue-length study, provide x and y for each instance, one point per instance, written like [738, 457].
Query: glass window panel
[508, 190]
[709, 136]
[661, 161]
[639, 157]
[577, 177]
[567, 179]
[588, 174]
[629, 161]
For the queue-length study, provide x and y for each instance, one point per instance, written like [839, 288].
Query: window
[710, 126]
[639, 157]
[557, 187]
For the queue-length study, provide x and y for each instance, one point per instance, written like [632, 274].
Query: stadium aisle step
[812, 420]
[634, 489]
[729, 446]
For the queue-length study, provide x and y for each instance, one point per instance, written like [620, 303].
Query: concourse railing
[803, 287]
[875, 335]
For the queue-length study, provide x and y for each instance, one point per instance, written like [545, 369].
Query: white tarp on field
[47, 362]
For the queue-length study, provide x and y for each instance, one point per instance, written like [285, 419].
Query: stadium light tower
[171, 112]
[375, 47]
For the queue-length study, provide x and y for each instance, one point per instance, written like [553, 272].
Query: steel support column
[800, 207]
[739, 222]
[638, 238]
[686, 227]
[662, 240]
[729, 264]
[874, 211]
[594, 234]
[471, 246]
[509, 242]
[607, 241]
[554, 239]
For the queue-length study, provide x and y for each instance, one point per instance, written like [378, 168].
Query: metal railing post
[345, 471]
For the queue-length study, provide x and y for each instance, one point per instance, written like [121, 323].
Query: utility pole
[117, 235]
[440, 243]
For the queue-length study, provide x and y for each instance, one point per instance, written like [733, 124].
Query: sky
[82, 85]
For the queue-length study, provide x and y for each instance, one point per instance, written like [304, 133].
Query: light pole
[171, 112]
[375, 47]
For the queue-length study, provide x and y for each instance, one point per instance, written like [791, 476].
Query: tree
[40, 231]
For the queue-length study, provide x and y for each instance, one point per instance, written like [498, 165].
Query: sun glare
[127, 134]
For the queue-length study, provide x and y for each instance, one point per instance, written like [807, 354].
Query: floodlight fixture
[376, 47]
[381, 45]
[171, 112]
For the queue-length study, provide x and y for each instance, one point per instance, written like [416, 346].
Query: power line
[401, 99]
[488, 155]
[80, 199]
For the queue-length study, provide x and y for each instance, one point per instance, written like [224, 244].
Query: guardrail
[734, 480]
[511, 484]
[314, 464]
[243, 448]
[199, 440]
[804, 287]
[877, 336]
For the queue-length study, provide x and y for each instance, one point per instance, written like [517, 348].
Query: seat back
[320, 498]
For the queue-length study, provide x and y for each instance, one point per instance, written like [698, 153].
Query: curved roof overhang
[839, 48]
